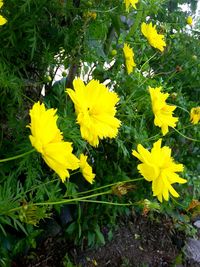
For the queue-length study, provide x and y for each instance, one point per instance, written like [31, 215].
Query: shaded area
[139, 241]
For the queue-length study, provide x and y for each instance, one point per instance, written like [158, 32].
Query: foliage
[45, 45]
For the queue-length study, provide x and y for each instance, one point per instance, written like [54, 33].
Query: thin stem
[178, 203]
[88, 191]
[75, 172]
[183, 109]
[171, 76]
[163, 73]
[104, 11]
[37, 186]
[129, 98]
[18, 156]
[109, 203]
[140, 84]
[148, 60]
[187, 126]
[109, 185]
[152, 137]
[31, 100]
[82, 199]
[64, 201]
[186, 137]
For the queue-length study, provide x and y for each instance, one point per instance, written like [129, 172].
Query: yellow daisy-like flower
[156, 40]
[189, 20]
[95, 109]
[195, 115]
[129, 3]
[159, 168]
[48, 140]
[2, 20]
[162, 111]
[86, 169]
[129, 58]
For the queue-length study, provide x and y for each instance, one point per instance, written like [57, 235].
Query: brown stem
[72, 73]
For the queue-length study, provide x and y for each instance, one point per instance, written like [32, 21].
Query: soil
[138, 241]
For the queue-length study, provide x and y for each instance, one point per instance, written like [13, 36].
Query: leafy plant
[45, 46]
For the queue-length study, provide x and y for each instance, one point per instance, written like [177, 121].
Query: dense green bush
[45, 46]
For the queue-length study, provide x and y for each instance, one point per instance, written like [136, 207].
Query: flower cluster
[48, 140]
[159, 168]
[149, 31]
[129, 58]
[162, 111]
[2, 19]
[95, 109]
[156, 40]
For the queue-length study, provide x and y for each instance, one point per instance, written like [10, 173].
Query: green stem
[31, 100]
[108, 203]
[83, 198]
[178, 203]
[183, 109]
[64, 201]
[152, 137]
[18, 156]
[38, 186]
[148, 61]
[109, 185]
[104, 11]
[186, 137]
[134, 92]
[129, 98]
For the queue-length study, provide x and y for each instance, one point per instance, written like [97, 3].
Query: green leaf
[100, 236]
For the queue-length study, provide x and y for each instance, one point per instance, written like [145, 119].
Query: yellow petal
[156, 40]
[150, 172]
[2, 20]
[95, 108]
[48, 140]
[86, 169]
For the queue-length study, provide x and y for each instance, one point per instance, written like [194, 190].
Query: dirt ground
[138, 241]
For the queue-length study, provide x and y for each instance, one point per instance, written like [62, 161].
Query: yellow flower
[86, 169]
[2, 20]
[195, 115]
[189, 20]
[159, 168]
[95, 109]
[129, 58]
[89, 14]
[163, 113]
[130, 2]
[48, 140]
[155, 39]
